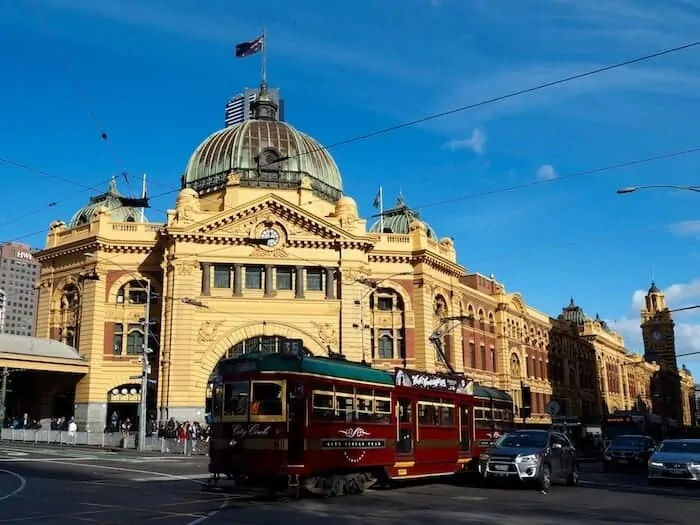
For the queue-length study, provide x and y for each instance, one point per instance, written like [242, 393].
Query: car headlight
[655, 464]
[694, 464]
[531, 458]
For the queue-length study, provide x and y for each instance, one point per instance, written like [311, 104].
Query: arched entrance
[263, 343]
[123, 407]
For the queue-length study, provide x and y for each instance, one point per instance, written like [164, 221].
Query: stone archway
[215, 352]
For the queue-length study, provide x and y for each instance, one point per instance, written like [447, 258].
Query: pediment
[249, 219]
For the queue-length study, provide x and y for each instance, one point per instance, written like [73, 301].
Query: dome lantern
[399, 220]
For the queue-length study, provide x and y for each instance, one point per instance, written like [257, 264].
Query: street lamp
[372, 284]
[632, 189]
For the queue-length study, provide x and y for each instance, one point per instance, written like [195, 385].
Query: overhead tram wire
[465, 108]
[499, 98]
[590, 171]
[104, 137]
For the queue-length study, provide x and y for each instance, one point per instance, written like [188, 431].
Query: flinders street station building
[263, 249]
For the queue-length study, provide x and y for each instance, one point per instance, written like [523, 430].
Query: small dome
[187, 193]
[265, 153]
[123, 209]
[653, 288]
[573, 313]
[346, 207]
[399, 219]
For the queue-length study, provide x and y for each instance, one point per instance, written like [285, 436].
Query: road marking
[20, 488]
[209, 515]
[43, 460]
[15, 454]
[162, 478]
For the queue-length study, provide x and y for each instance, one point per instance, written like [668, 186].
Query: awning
[492, 393]
[35, 353]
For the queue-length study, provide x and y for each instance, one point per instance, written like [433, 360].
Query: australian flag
[246, 49]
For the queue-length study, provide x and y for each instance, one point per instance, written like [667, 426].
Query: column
[330, 283]
[237, 280]
[268, 280]
[299, 284]
[206, 279]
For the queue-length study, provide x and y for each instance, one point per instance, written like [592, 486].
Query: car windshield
[629, 441]
[523, 440]
[680, 447]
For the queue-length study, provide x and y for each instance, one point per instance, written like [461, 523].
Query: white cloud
[687, 323]
[686, 228]
[546, 172]
[476, 143]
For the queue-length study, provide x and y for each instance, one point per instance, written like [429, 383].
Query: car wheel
[572, 478]
[544, 482]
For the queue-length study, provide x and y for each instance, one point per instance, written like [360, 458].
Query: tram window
[382, 407]
[236, 398]
[429, 413]
[447, 414]
[344, 403]
[217, 398]
[266, 399]
[405, 411]
[365, 404]
[322, 405]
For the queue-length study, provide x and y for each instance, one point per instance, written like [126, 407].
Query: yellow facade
[327, 280]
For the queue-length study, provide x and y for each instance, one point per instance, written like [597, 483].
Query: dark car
[538, 457]
[628, 452]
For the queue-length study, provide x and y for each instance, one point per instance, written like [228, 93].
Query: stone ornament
[327, 334]
[208, 331]
[186, 268]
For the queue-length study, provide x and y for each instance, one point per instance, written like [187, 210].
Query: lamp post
[632, 189]
[372, 284]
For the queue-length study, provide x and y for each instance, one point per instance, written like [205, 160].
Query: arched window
[133, 292]
[134, 341]
[388, 332]
[386, 347]
[515, 365]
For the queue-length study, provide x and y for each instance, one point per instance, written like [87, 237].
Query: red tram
[328, 426]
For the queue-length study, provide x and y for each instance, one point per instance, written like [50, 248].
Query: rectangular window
[253, 277]
[284, 278]
[222, 276]
[314, 279]
[482, 357]
[385, 344]
[385, 304]
[118, 339]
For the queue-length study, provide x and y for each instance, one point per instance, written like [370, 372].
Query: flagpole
[143, 196]
[263, 66]
[381, 209]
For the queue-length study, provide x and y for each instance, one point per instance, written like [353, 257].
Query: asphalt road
[72, 486]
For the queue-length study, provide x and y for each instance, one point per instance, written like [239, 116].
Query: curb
[93, 448]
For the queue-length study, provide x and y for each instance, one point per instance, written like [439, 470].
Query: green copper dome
[124, 209]
[399, 219]
[263, 152]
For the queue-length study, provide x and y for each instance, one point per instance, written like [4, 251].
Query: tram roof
[322, 366]
[492, 393]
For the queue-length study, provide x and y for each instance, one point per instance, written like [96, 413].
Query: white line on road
[209, 515]
[20, 488]
[44, 460]
[162, 478]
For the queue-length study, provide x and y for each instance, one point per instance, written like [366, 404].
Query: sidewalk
[110, 442]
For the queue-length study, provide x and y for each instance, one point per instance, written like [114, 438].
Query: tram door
[405, 427]
[464, 422]
[297, 417]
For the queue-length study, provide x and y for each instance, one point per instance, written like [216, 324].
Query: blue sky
[155, 75]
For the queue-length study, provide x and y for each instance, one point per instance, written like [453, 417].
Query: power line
[590, 171]
[81, 93]
[500, 98]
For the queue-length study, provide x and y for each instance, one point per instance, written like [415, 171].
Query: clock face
[656, 335]
[270, 237]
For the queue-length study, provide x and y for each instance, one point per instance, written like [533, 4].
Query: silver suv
[531, 456]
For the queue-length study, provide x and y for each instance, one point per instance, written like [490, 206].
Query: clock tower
[657, 330]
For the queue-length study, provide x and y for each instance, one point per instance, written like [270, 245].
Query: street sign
[552, 408]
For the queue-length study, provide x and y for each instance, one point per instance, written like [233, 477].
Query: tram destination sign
[438, 382]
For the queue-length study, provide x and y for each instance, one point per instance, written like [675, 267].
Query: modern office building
[18, 275]
[238, 109]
